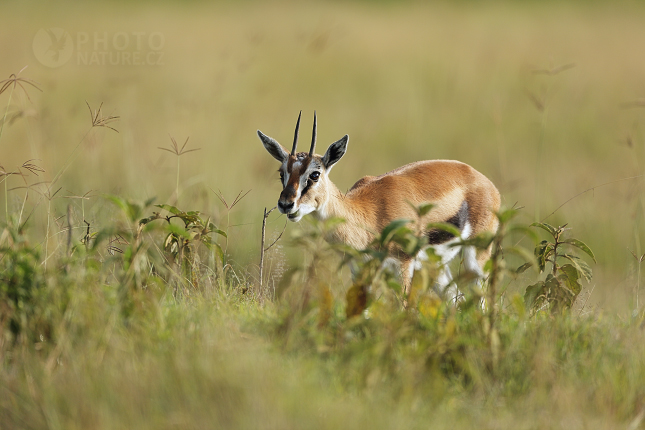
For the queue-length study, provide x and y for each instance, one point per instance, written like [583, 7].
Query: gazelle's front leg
[407, 271]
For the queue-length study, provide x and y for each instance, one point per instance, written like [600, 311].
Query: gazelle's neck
[332, 206]
[338, 205]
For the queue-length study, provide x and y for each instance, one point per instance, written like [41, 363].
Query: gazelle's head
[304, 176]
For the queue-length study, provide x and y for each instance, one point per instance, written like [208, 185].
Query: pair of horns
[313, 137]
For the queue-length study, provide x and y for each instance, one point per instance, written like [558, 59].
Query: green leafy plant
[22, 281]
[133, 261]
[562, 284]
[181, 240]
[373, 275]
[497, 269]
[402, 236]
[312, 278]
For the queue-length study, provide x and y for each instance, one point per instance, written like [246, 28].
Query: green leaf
[488, 266]
[375, 254]
[153, 226]
[444, 226]
[133, 211]
[391, 229]
[409, 243]
[145, 221]
[523, 230]
[544, 226]
[217, 231]
[541, 253]
[533, 292]
[394, 285]
[149, 202]
[581, 245]
[121, 203]
[570, 277]
[191, 221]
[523, 268]
[178, 231]
[424, 209]
[553, 285]
[219, 253]
[173, 210]
[481, 241]
[582, 267]
[432, 255]
[505, 216]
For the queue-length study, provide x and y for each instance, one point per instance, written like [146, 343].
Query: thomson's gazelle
[462, 197]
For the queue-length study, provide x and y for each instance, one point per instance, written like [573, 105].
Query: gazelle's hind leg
[444, 285]
[484, 255]
[472, 262]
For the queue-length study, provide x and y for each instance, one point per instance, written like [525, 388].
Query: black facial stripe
[436, 237]
[307, 187]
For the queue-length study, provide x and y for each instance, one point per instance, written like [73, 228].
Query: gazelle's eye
[314, 176]
[281, 176]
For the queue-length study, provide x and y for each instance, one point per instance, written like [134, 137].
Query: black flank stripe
[436, 237]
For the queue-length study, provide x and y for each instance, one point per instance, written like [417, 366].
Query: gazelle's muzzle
[287, 201]
[285, 207]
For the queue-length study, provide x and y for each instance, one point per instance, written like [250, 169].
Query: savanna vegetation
[135, 201]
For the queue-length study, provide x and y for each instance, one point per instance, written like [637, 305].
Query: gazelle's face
[304, 176]
[303, 181]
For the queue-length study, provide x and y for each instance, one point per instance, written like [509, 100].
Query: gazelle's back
[445, 183]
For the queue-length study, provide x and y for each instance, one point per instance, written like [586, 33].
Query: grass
[108, 343]
[219, 360]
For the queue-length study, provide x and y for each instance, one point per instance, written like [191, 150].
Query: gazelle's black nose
[285, 208]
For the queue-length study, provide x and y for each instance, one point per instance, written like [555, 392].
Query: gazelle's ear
[335, 152]
[273, 147]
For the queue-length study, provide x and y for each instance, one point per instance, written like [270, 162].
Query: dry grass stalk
[174, 149]
[98, 120]
[14, 80]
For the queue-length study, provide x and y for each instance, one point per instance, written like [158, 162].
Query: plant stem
[264, 226]
[47, 234]
[638, 283]
[228, 224]
[6, 201]
[538, 163]
[496, 268]
[4, 119]
[177, 184]
[556, 242]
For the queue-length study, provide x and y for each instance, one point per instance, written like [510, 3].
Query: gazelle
[462, 197]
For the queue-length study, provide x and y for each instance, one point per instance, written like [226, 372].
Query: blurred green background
[545, 98]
